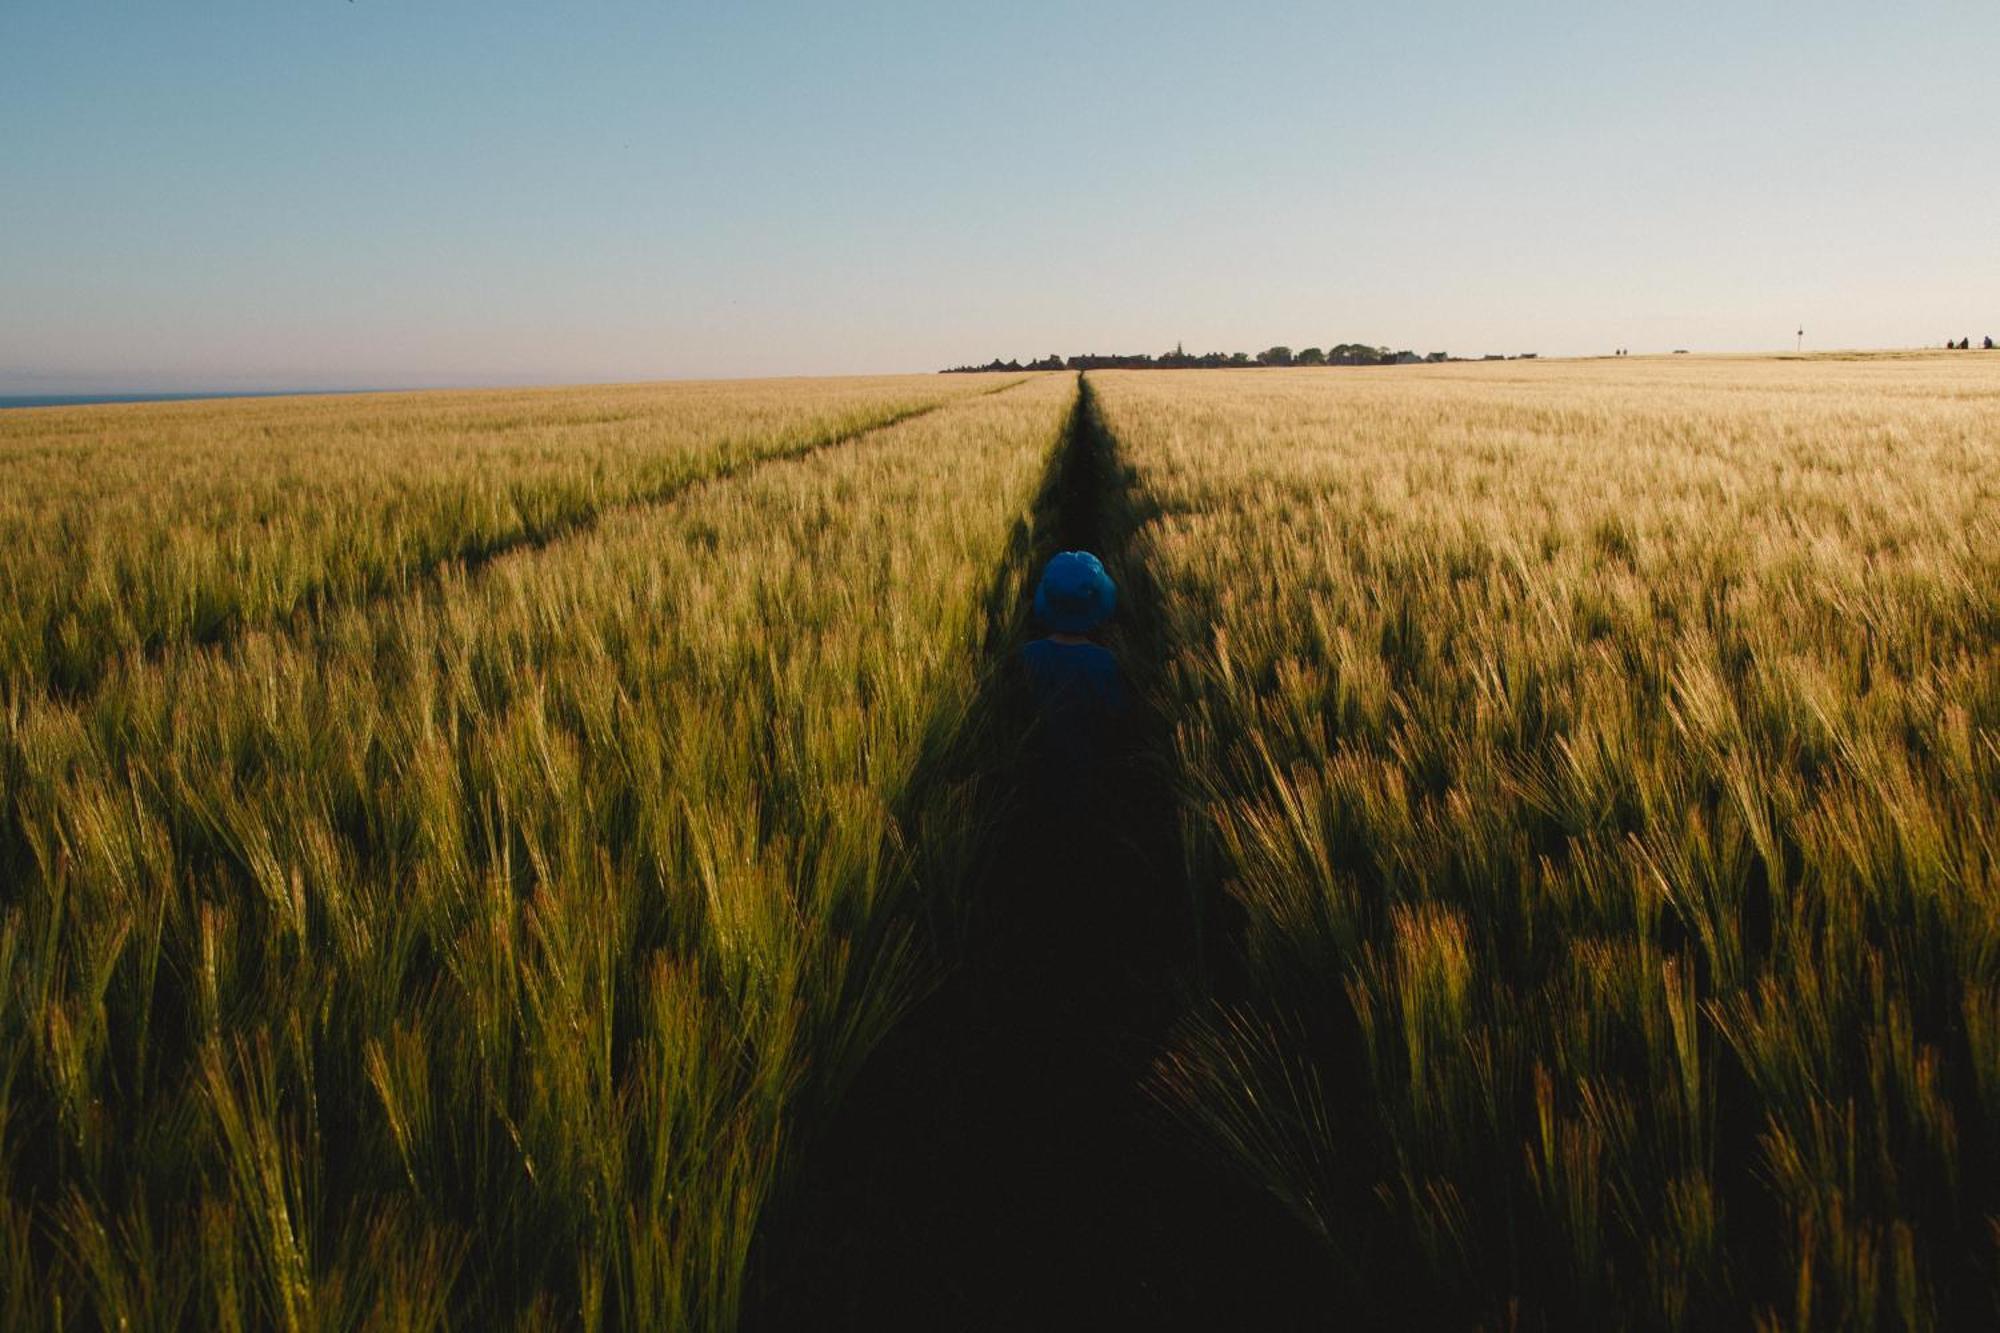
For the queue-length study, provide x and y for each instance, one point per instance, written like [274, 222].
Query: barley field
[466, 956]
[459, 853]
[148, 526]
[1603, 760]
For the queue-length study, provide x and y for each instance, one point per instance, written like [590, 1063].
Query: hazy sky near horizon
[233, 194]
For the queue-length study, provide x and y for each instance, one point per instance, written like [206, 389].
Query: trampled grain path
[999, 1164]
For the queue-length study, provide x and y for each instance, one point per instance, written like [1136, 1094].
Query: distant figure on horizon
[1078, 690]
[1988, 344]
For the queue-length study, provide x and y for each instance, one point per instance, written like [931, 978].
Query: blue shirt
[1078, 693]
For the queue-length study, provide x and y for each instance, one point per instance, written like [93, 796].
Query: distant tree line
[1341, 354]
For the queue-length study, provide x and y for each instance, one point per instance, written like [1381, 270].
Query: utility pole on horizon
[1802, 337]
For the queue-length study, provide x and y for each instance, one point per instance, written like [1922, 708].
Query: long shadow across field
[998, 1165]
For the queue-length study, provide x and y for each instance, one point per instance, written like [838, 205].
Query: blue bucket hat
[1075, 593]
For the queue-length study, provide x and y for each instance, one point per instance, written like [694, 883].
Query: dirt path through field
[998, 1164]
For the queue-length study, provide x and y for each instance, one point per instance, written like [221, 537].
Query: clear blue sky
[247, 194]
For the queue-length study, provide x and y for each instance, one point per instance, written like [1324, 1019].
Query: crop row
[129, 530]
[477, 956]
[1607, 767]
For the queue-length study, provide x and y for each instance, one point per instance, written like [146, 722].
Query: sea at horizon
[8, 400]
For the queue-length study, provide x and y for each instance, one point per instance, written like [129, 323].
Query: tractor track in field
[997, 1163]
[471, 561]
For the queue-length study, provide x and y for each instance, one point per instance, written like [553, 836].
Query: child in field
[1078, 691]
